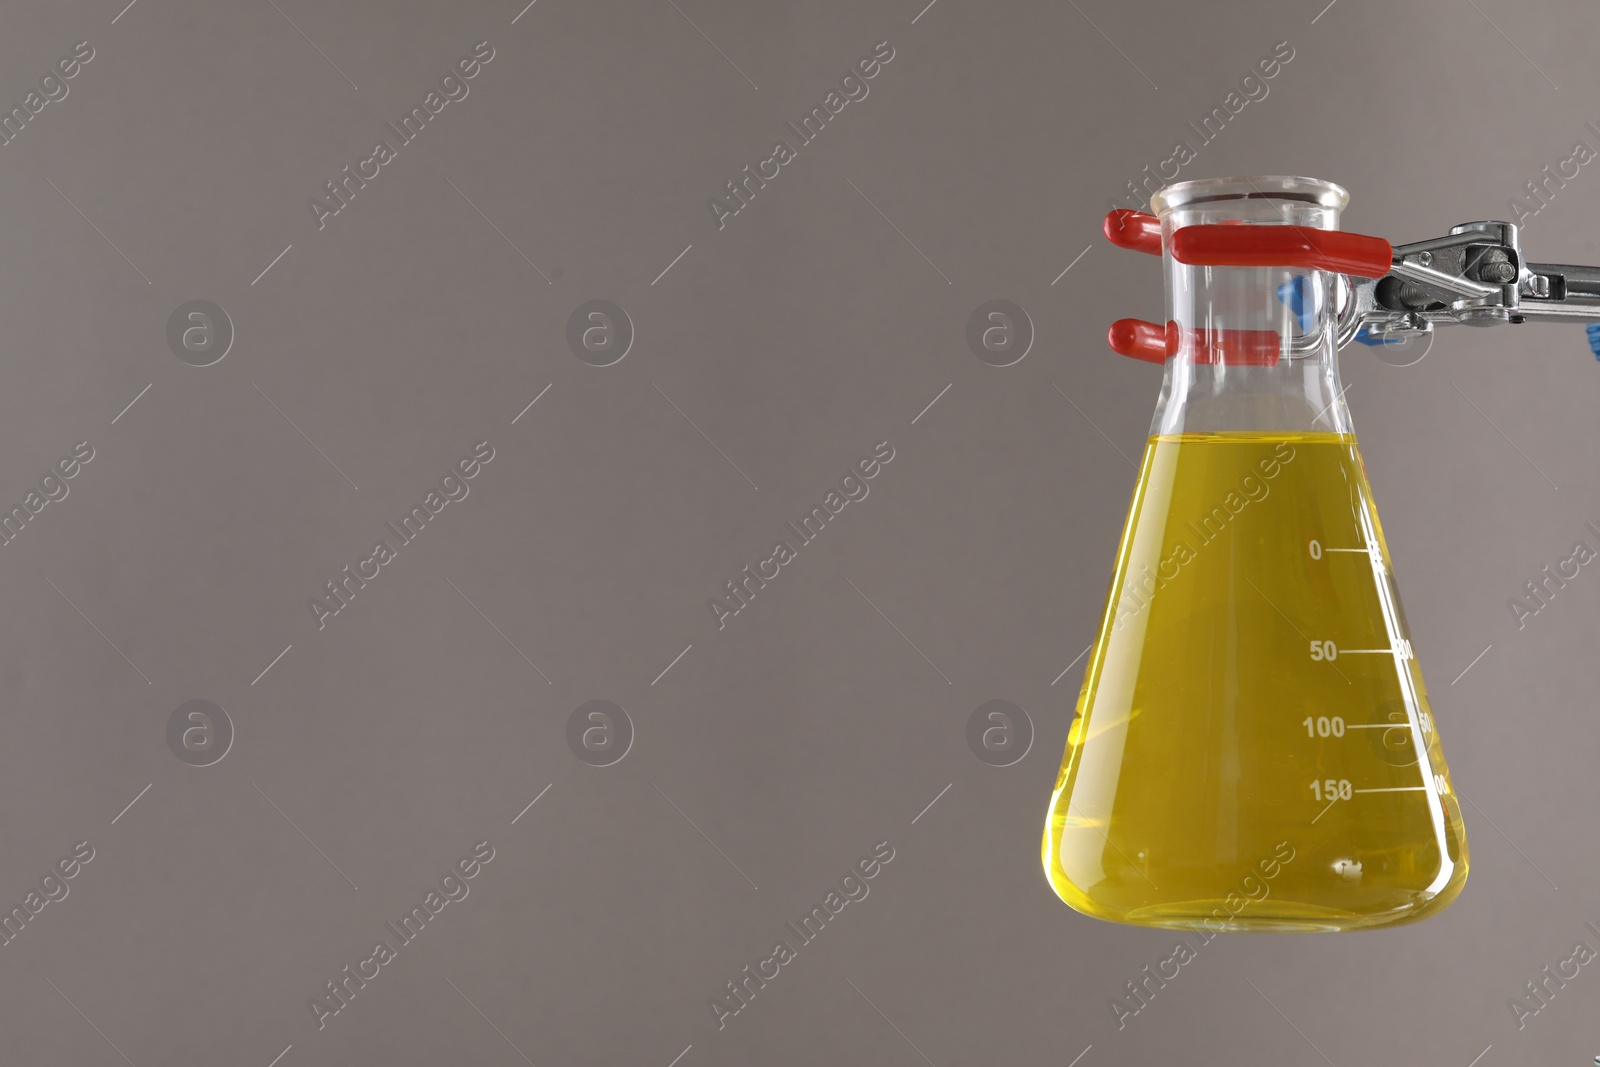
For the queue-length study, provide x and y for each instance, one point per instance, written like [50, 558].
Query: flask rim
[1260, 187]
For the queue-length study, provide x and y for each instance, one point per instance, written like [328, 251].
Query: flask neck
[1255, 347]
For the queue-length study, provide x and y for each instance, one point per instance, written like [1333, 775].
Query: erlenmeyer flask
[1253, 748]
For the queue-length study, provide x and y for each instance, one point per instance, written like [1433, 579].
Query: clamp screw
[1414, 297]
[1495, 267]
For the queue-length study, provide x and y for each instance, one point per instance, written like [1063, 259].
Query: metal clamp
[1475, 275]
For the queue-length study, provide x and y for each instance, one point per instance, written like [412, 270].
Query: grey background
[179, 166]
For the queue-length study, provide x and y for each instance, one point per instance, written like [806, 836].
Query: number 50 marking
[1324, 650]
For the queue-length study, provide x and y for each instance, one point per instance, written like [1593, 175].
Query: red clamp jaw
[1223, 245]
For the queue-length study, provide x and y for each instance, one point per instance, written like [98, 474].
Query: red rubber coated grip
[1138, 339]
[1134, 230]
[1283, 246]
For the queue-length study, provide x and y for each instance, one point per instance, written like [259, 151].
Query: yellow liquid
[1254, 748]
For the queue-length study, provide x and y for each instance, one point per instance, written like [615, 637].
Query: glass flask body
[1253, 747]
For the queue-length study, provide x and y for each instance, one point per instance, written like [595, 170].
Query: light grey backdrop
[767, 357]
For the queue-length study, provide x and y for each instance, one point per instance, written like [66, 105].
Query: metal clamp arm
[1560, 291]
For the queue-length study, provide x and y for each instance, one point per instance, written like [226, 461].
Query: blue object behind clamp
[1296, 295]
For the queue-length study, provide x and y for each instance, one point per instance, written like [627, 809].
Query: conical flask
[1253, 747]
